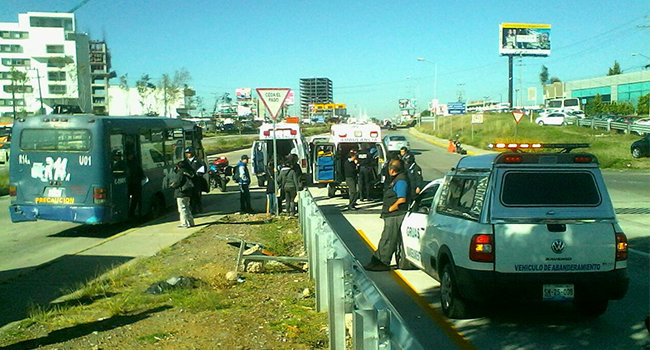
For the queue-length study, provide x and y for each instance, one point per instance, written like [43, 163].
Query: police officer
[365, 174]
[414, 173]
[351, 172]
[196, 164]
[392, 211]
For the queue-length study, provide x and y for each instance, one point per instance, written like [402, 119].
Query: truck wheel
[453, 306]
[157, 207]
[591, 308]
[331, 191]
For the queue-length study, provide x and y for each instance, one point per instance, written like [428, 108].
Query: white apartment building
[56, 61]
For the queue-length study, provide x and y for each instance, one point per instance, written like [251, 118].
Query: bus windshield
[75, 140]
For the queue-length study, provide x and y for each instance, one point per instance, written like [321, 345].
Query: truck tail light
[482, 248]
[294, 132]
[304, 163]
[374, 134]
[99, 195]
[582, 159]
[12, 191]
[267, 132]
[621, 246]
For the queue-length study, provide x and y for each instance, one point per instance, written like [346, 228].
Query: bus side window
[174, 145]
[118, 162]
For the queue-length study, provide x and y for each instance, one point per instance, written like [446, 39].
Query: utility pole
[165, 94]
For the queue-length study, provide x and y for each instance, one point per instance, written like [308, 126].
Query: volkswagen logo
[557, 246]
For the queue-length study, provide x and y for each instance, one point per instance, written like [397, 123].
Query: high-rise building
[44, 62]
[100, 74]
[314, 90]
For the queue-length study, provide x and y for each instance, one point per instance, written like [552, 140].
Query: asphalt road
[543, 326]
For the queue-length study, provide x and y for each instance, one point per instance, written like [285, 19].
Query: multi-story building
[43, 62]
[314, 90]
[100, 74]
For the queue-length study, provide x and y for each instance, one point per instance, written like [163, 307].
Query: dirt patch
[272, 309]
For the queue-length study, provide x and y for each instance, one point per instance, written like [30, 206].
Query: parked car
[641, 122]
[556, 118]
[641, 148]
[395, 142]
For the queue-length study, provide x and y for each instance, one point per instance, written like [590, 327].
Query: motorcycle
[219, 173]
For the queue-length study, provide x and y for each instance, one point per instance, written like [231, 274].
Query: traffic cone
[452, 147]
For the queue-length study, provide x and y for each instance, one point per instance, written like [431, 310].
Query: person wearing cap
[197, 165]
[243, 178]
[183, 189]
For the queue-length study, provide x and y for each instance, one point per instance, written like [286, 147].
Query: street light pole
[435, 88]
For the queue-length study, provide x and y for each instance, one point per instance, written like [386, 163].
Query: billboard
[243, 94]
[525, 39]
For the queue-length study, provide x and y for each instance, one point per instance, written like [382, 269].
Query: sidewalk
[471, 150]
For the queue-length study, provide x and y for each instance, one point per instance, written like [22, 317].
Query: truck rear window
[55, 140]
[549, 189]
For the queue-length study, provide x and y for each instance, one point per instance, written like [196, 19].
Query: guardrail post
[320, 267]
[365, 333]
[383, 329]
[336, 316]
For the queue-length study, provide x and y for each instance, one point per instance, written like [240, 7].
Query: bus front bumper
[80, 214]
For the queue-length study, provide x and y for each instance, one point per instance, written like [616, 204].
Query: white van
[289, 140]
[329, 156]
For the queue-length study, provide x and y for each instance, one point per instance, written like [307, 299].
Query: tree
[543, 75]
[595, 106]
[124, 82]
[555, 80]
[643, 107]
[616, 69]
[145, 88]
[173, 87]
[18, 80]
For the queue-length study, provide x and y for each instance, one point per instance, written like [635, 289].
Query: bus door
[324, 162]
[119, 193]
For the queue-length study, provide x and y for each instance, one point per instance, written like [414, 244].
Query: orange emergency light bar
[523, 146]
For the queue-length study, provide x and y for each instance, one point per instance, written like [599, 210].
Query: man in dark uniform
[199, 168]
[365, 174]
[414, 173]
[392, 211]
[351, 172]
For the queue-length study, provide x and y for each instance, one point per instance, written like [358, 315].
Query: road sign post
[517, 115]
[273, 99]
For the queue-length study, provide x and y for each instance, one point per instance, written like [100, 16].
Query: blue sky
[368, 49]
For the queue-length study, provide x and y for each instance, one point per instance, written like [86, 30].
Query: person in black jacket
[289, 183]
[366, 166]
[183, 188]
[271, 196]
[392, 211]
[414, 174]
[199, 168]
[351, 172]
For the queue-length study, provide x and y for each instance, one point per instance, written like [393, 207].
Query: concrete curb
[471, 150]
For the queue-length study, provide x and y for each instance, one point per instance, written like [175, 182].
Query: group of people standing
[289, 182]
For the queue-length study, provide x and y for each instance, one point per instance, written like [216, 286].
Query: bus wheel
[331, 191]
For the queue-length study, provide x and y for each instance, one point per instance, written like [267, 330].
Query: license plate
[558, 292]
[54, 192]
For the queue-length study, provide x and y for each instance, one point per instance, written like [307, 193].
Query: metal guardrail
[343, 288]
[610, 125]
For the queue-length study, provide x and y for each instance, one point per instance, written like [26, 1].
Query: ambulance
[289, 140]
[329, 156]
